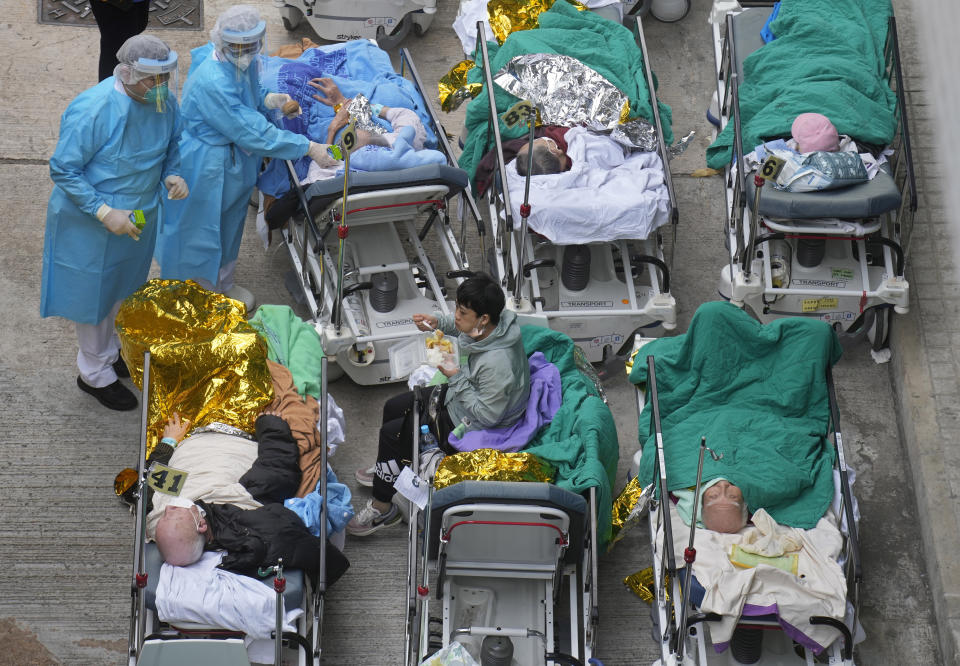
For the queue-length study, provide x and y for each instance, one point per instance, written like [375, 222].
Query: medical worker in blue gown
[226, 134]
[118, 143]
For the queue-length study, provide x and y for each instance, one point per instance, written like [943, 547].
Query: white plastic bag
[452, 655]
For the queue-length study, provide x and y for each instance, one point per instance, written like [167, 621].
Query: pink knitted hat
[814, 131]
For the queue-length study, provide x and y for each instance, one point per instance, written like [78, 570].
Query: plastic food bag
[452, 655]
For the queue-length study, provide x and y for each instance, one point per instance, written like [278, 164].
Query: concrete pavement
[66, 543]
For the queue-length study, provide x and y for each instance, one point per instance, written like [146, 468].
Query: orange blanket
[301, 415]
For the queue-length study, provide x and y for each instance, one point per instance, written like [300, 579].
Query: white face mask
[243, 62]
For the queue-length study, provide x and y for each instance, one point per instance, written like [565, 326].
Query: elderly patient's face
[723, 508]
[181, 534]
[550, 145]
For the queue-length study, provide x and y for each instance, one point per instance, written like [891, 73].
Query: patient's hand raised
[331, 93]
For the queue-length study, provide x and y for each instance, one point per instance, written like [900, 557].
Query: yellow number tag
[166, 480]
[772, 166]
[814, 304]
[348, 140]
[517, 113]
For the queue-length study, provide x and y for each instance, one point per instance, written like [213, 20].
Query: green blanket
[293, 343]
[581, 441]
[758, 394]
[827, 58]
[604, 46]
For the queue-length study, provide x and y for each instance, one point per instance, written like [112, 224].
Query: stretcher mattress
[323, 192]
[870, 199]
[512, 492]
[153, 561]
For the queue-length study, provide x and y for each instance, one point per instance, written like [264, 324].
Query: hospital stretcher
[680, 628]
[516, 562]
[836, 255]
[628, 282]
[154, 641]
[339, 20]
[364, 275]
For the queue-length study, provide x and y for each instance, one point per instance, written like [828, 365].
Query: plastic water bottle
[427, 441]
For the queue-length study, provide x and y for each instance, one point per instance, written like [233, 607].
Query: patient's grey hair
[544, 161]
[179, 541]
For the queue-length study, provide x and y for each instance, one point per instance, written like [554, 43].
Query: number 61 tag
[518, 113]
[166, 480]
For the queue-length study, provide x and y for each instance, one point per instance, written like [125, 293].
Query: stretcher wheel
[391, 41]
[879, 331]
[670, 11]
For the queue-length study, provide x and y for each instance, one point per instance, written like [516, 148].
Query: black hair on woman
[482, 294]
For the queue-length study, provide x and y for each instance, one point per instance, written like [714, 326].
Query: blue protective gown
[115, 151]
[225, 136]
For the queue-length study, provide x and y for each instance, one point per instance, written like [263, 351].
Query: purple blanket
[545, 400]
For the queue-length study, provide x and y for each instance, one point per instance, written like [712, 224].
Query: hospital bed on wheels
[836, 255]
[340, 20]
[364, 274]
[599, 293]
[155, 642]
[511, 560]
[515, 561]
[682, 629]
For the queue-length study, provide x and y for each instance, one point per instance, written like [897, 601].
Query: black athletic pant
[395, 450]
[116, 27]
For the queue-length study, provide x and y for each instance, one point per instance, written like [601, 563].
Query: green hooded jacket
[493, 385]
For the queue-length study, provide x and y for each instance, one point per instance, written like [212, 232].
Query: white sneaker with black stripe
[369, 520]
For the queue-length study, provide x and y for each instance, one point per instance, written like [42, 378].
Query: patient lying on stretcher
[231, 517]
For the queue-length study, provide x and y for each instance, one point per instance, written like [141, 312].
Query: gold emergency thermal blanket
[454, 89]
[206, 362]
[508, 16]
[491, 465]
[627, 508]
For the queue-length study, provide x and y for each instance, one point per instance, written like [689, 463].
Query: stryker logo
[840, 284]
[391, 323]
[586, 304]
[343, 38]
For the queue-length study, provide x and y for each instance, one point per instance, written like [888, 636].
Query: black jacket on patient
[255, 538]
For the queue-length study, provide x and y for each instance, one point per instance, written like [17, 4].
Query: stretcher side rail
[468, 204]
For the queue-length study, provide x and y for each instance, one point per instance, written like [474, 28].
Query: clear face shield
[154, 81]
[242, 48]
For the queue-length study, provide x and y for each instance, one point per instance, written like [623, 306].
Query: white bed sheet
[819, 589]
[608, 194]
[203, 594]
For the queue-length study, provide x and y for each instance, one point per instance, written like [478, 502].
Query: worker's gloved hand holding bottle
[176, 187]
[318, 153]
[117, 221]
[284, 102]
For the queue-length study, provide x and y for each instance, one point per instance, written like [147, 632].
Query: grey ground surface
[66, 542]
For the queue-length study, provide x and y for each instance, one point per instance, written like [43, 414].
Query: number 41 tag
[166, 480]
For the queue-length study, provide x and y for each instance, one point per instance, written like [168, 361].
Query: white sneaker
[369, 520]
[238, 293]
